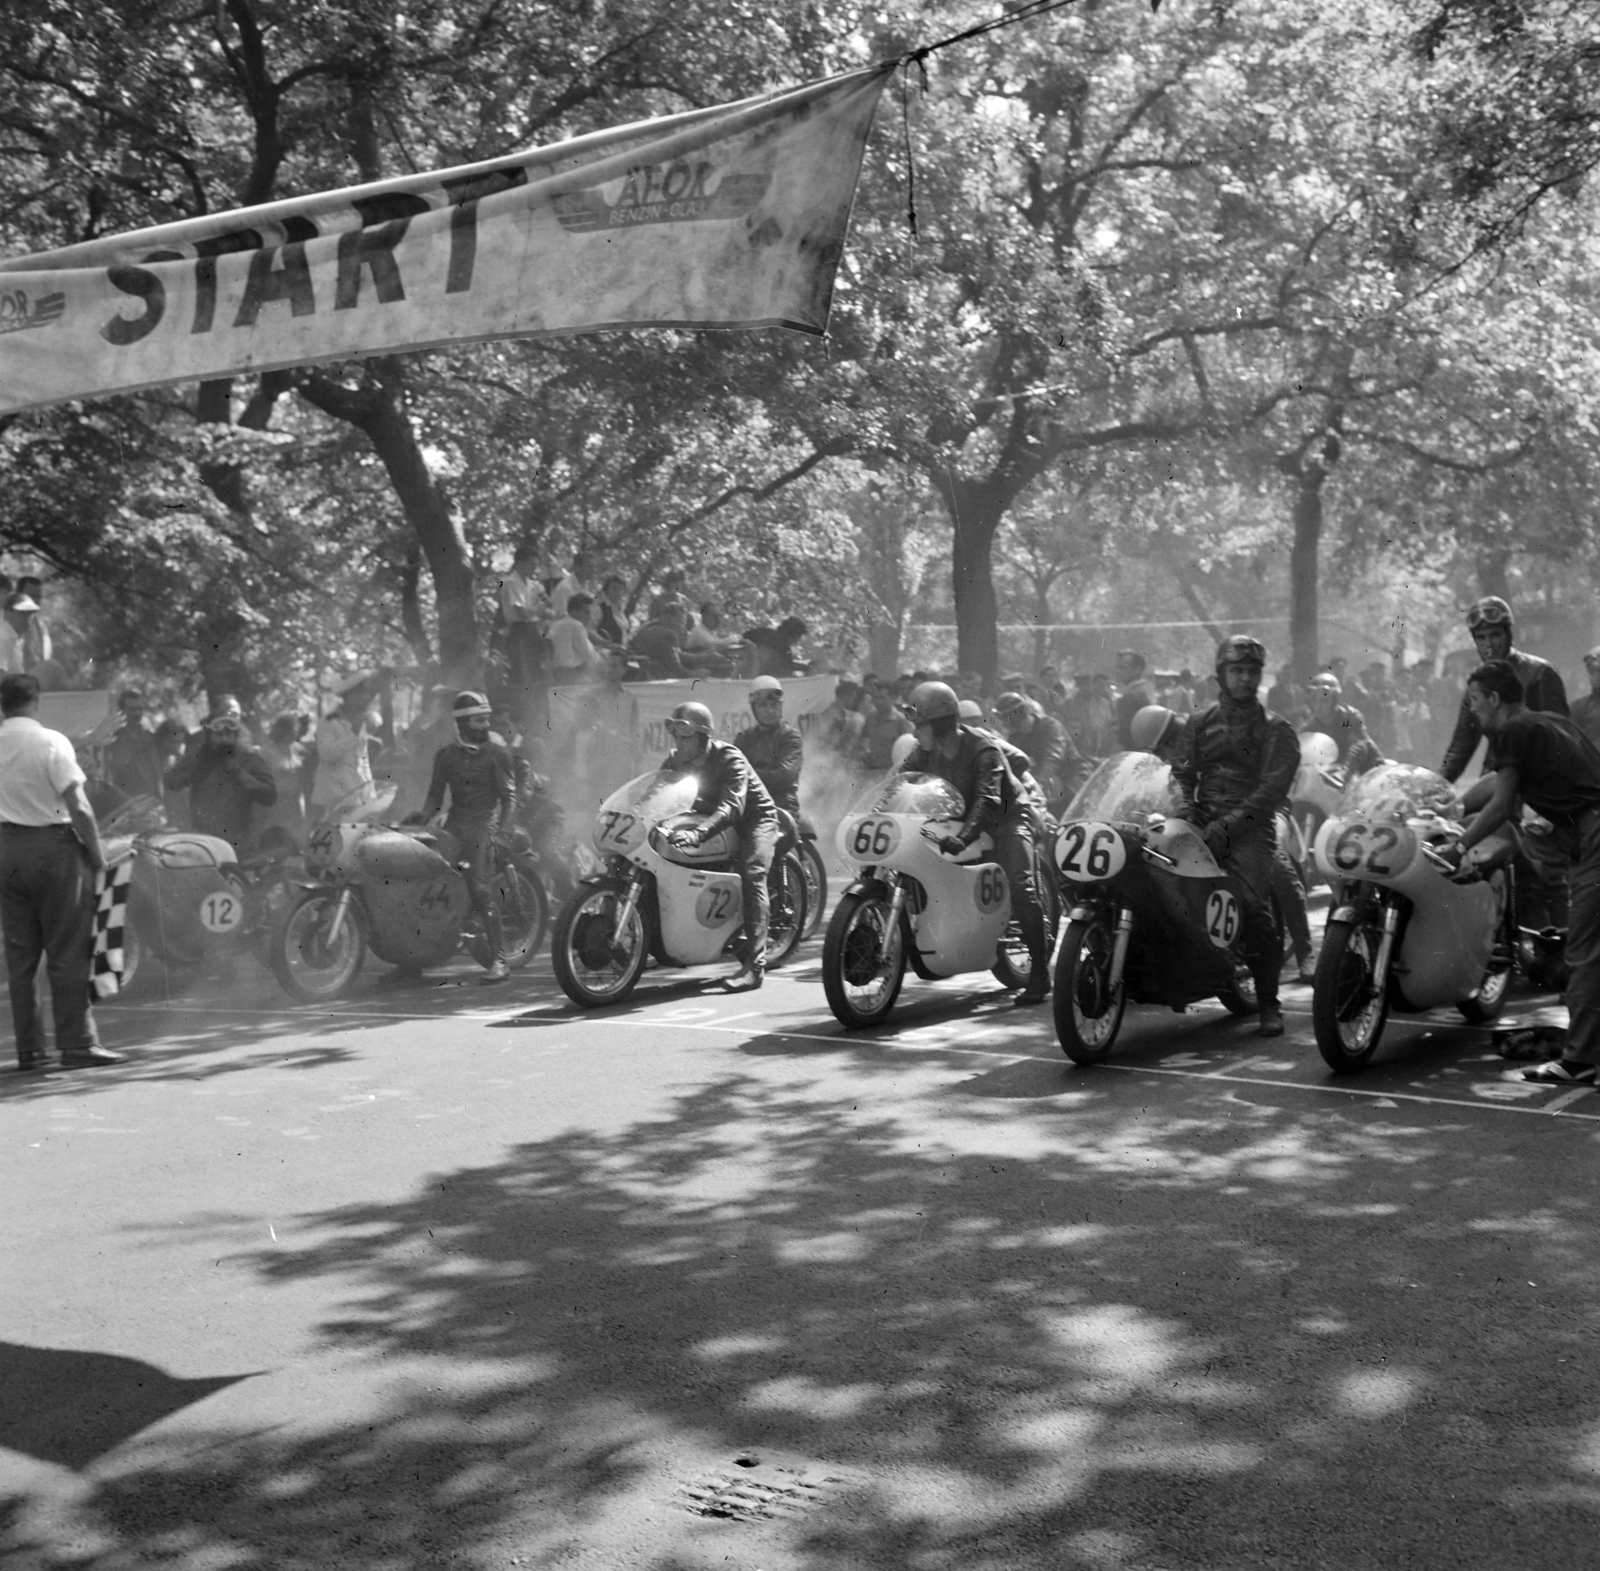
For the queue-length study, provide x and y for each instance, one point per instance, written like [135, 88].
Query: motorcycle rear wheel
[306, 966]
[786, 911]
[863, 963]
[1347, 1012]
[524, 919]
[1088, 1010]
[594, 964]
[816, 886]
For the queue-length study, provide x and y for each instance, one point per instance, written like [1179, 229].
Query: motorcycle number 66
[1222, 917]
[874, 837]
[1088, 852]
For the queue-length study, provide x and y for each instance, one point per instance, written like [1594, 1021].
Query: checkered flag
[110, 918]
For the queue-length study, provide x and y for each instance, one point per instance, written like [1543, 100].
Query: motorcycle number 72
[1088, 852]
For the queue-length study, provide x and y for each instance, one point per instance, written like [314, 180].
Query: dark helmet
[1491, 611]
[1008, 704]
[931, 701]
[1241, 649]
[1150, 726]
[696, 716]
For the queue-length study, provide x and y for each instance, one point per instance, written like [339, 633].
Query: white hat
[765, 684]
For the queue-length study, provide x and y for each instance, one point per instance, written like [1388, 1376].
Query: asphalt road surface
[449, 1275]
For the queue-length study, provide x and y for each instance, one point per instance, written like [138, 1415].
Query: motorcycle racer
[1230, 779]
[1341, 723]
[479, 772]
[731, 796]
[973, 761]
[772, 746]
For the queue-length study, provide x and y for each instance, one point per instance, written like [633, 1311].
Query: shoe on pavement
[92, 1058]
[745, 980]
[1037, 990]
[1305, 970]
[498, 972]
[1271, 1021]
[1562, 1072]
[31, 1065]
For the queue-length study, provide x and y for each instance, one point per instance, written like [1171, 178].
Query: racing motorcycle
[911, 904]
[400, 890]
[1408, 931]
[1155, 918]
[1318, 785]
[684, 906]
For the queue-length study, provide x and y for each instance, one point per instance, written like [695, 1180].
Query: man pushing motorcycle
[975, 762]
[479, 772]
[731, 796]
[1230, 779]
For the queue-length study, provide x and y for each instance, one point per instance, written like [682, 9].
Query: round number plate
[718, 904]
[869, 839]
[1222, 917]
[990, 890]
[221, 911]
[1089, 852]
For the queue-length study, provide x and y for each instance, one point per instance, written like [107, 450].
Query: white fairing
[1376, 835]
[1131, 788]
[967, 901]
[701, 908]
[1317, 780]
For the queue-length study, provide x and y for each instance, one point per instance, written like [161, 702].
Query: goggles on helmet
[1491, 611]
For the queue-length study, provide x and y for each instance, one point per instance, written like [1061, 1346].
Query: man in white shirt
[49, 853]
[574, 583]
[343, 743]
[572, 656]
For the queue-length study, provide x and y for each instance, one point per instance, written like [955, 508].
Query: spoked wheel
[1240, 997]
[786, 913]
[1486, 1004]
[863, 961]
[524, 918]
[594, 962]
[313, 963]
[1088, 1008]
[816, 886]
[1347, 1010]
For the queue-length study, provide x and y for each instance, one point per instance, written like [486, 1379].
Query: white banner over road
[727, 217]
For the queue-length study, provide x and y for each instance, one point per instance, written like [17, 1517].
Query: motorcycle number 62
[1379, 850]
[1088, 852]
[1222, 917]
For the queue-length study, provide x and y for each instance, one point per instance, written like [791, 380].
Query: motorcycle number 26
[1222, 917]
[1088, 852]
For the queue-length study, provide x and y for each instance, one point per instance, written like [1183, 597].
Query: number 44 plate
[1089, 852]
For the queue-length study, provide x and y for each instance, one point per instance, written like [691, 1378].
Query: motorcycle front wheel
[863, 962]
[1088, 1009]
[786, 908]
[816, 886]
[1347, 1011]
[594, 963]
[309, 965]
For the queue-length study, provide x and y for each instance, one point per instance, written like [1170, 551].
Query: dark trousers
[478, 853]
[1013, 850]
[756, 848]
[1583, 944]
[1251, 861]
[1291, 895]
[47, 908]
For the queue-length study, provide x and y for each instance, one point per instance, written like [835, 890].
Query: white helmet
[765, 684]
[903, 748]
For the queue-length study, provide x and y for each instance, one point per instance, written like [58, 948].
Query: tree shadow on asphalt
[1038, 1331]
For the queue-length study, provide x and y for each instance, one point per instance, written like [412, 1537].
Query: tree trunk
[883, 649]
[1304, 615]
[975, 515]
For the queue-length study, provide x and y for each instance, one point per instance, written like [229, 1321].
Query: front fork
[336, 921]
[630, 904]
[1391, 929]
[1119, 946]
[897, 904]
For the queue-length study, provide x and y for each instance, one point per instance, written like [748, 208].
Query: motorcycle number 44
[1088, 852]
[1222, 917]
[874, 837]
[990, 892]
[221, 912]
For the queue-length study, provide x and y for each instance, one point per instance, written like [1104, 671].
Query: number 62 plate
[1089, 852]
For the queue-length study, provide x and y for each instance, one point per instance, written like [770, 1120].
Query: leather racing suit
[482, 782]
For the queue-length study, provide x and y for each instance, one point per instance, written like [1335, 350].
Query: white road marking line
[1566, 1097]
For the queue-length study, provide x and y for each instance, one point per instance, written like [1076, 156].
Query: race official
[49, 853]
[1231, 779]
[1546, 761]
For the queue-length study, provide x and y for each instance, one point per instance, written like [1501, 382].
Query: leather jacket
[1234, 768]
[982, 770]
[1542, 689]
[482, 781]
[775, 753]
[731, 793]
[1348, 732]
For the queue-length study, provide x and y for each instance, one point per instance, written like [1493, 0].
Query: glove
[688, 839]
[949, 845]
[1216, 838]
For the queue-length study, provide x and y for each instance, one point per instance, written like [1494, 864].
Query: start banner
[733, 216]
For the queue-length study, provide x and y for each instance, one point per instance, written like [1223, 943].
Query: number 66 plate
[1088, 852]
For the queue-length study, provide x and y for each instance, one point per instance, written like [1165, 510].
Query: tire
[524, 918]
[1346, 1015]
[1012, 966]
[593, 968]
[786, 921]
[816, 887]
[863, 964]
[305, 967]
[1241, 997]
[1088, 1010]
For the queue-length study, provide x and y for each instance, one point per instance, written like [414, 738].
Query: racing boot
[1038, 988]
[1271, 1021]
[498, 972]
[745, 980]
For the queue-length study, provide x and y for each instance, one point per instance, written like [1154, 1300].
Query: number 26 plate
[1089, 852]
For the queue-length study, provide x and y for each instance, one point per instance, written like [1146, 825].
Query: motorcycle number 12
[1088, 852]
[1222, 917]
[221, 912]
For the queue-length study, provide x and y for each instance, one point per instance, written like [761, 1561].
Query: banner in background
[733, 216]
